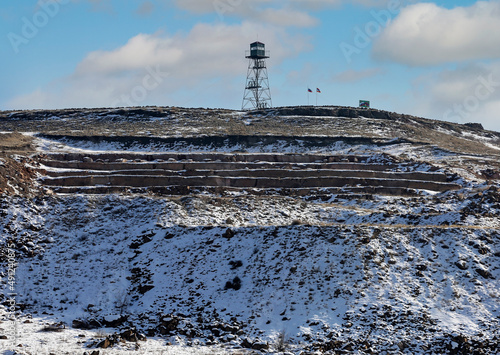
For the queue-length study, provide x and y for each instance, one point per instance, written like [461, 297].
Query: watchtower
[257, 93]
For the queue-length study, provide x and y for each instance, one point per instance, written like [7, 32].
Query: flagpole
[317, 92]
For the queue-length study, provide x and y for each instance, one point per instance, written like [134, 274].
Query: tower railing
[266, 54]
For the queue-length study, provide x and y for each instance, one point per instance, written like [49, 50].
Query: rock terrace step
[184, 173]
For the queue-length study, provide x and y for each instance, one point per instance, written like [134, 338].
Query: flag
[309, 90]
[318, 90]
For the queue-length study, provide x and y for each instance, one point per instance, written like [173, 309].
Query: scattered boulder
[130, 335]
[235, 284]
[246, 343]
[99, 323]
[228, 234]
[235, 264]
[86, 324]
[143, 239]
[106, 343]
[56, 327]
[260, 346]
[462, 265]
[484, 273]
[168, 324]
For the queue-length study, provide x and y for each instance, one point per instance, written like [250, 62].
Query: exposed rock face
[16, 177]
[477, 126]
[335, 111]
[332, 230]
[189, 173]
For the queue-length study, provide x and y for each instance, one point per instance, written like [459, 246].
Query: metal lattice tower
[257, 93]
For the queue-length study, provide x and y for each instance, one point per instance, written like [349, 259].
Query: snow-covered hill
[243, 271]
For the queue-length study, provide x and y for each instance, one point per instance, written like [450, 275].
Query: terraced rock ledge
[181, 173]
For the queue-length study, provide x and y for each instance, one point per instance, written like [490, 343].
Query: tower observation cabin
[257, 93]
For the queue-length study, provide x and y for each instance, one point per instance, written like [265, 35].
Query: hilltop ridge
[307, 230]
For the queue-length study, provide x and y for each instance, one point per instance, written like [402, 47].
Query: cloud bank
[153, 68]
[425, 34]
[470, 93]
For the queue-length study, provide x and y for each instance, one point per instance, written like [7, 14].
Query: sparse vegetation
[100, 334]
[281, 344]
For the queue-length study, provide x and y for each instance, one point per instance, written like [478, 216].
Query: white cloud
[288, 13]
[286, 17]
[209, 56]
[468, 94]
[426, 34]
[207, 50]
[249, 7]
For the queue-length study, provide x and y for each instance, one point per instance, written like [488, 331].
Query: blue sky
[437, 59]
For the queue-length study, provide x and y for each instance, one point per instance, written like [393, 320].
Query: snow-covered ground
[210, 274]
[400, 282]
[29, 332]
[396, 268]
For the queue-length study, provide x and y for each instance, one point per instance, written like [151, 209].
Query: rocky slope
[352, 268]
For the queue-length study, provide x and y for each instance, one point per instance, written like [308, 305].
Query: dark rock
[145, 288]
[59, 327]
[475, 125]
[106, 343]
[421, 267]
[115, 322]
[260, 346]
[132, 335]
[235, 264]
[168, 324]
[491, 174]
[235, 284]
[484, 273]
[246, 343]
[462, 265]
[228, 234]
[143, 239]
[86, 324]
